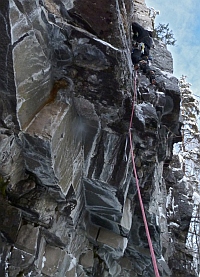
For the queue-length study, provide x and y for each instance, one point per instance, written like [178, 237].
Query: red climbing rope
[138, 187]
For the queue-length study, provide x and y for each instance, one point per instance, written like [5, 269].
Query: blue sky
[183, 17]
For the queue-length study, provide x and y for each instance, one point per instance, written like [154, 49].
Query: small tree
[163, 33]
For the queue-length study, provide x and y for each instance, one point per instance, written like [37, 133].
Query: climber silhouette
[142, 43]
[140, 35]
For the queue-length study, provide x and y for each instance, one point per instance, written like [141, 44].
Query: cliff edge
[69, 204]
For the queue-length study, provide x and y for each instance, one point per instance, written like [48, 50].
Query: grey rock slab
[22, 187]
[7, 82]
[55, 261]
[92, 232]
[112, 240]
[87, 259]
[166, 82]
[59, 228]
[141, 14]
[32, 78]
[80, 271]
[45, 206]
[145, 116]
[32, 67]
[10, 220]
[107, 222]
[115, 269]
[126, 263]
[27, 238]
[89, 56]
[86, 110]
[19, 261]
[51, 145]
[101, 199]
[11, 159]
[162, 58]
[20, 25]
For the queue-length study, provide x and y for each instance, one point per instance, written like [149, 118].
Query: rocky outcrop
[68, 197]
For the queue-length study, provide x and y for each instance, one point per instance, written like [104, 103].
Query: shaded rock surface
[69, 205]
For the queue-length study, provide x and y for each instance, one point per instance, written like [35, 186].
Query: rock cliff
[69, 204]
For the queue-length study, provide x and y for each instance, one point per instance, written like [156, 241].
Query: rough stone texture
[27, 238]
[7, 83]
[10, 221]
[11, 159]
[55, 260]
[69, 205]
[19, 261]
[142, 14]
[46, 138]
[161, 59]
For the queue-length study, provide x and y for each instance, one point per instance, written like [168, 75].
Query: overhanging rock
[117, 243]
[104, 207]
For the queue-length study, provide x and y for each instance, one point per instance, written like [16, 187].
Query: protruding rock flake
[69, 203]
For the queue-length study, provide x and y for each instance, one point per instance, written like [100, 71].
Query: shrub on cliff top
[163, 33]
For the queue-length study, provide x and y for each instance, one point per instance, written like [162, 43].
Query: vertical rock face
[7, 84]
[69, 205]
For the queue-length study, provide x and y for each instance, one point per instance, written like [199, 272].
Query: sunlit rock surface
[69, 204]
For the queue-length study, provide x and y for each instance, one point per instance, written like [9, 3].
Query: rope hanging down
[138, 187]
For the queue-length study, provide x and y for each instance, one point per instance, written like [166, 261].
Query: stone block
[27, 238]
[125, 263]
[21, 188]
[60, 229]
[10, 220]
[115, 269]
[71, 272]
[141, 14]
[7, 82]
[101, 200]
[32, 79]
[162, 58]
[92, 232]
[11, 159]
[51, 145]
[19, 22]
[103, 222]
[112, 240]
[31, 64]
[45, 207]
[56, 262]
[87, 259]
[19, 260]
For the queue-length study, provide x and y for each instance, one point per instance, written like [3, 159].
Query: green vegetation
[163, 33]
[3, 185]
